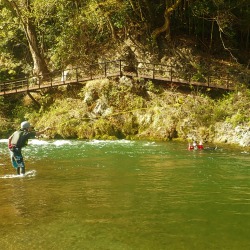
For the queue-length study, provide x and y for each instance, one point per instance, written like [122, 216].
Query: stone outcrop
[226, 133]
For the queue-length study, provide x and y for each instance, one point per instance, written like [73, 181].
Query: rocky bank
[128, 108]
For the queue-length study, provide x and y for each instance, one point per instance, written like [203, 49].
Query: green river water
[122, 195]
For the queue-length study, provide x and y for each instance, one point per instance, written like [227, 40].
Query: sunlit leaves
[68, 30]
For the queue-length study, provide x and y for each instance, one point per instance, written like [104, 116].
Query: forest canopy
[39, 36]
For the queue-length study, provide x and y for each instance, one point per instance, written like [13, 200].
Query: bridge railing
[115, 68]
[224, 82]
[92, 71]
[170, 74]
[14, 85]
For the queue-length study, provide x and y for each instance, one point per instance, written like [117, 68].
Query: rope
[115, 114]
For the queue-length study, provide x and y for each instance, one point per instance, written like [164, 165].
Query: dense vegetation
[109, 109]
[38, 37]
[44, 35]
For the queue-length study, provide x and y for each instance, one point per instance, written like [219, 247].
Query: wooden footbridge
[151, 71]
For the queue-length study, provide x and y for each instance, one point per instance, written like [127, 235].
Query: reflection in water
[125, 195]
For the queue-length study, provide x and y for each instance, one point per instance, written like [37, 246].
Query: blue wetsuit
[17, 141]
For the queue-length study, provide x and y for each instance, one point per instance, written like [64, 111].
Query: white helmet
[25, 125]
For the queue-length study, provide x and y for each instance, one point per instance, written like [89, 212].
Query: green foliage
[75, 32]
[235, 107]
[104, 128]
[156, 116]
[10, 46]
[152, 87]
[198, 77]
[6, 127]
[67, 128]
[4, 123]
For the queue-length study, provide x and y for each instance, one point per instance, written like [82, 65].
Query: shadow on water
[125, 195]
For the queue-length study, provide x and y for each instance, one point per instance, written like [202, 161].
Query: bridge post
[77, 75]
[227, 81]
[33, 99]
[51, 80]
[27, 83]
[120, 65]
[90, 69]
[105, 69]
[171, 73]
[153, 71]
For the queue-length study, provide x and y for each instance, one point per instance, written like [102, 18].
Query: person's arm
[42, 131]
[9, 142]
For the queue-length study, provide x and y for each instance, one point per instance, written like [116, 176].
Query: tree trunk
[40, 67]
[211, 35]
[166, 26]
[21, 10]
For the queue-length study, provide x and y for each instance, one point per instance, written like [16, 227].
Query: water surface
[125, 195]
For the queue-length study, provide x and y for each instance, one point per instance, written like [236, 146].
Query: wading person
[17, 141]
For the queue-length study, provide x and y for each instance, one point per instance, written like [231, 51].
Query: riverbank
[136, 109]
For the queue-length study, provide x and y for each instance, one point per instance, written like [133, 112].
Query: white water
[30, 173]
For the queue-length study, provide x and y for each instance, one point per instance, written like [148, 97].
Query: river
[125, 195]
